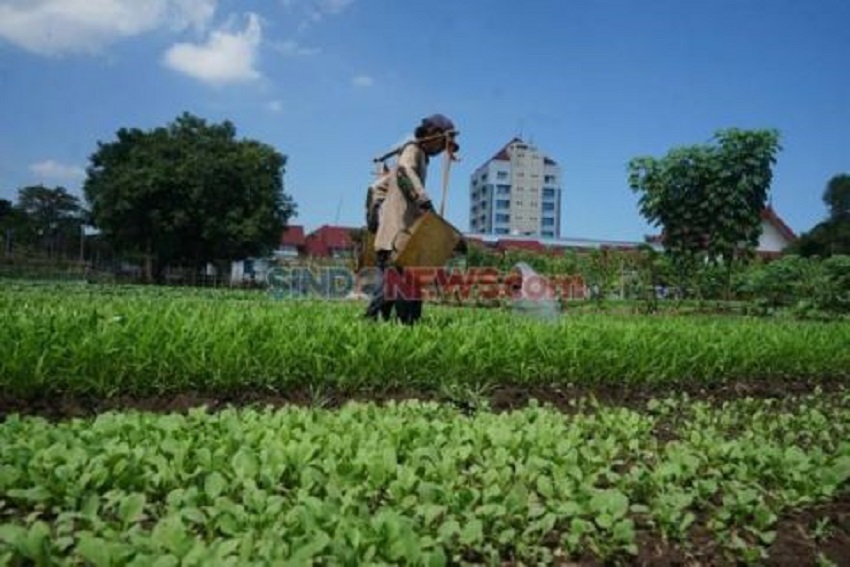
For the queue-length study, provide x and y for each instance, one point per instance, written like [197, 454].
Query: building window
[502, 217]
[548, 193]
[485, 190]
[503, 189]
[520, 174]
[548, 178]
[501, 231]
[501, 175]
[548, 222]
[483, 177]
[548, 234]
[503, 204]
[548, 206]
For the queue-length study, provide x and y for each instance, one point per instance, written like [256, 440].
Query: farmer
[396, 200]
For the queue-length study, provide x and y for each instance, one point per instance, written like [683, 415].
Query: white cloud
[362, 81]
[275, 106]
[316, 10]
[321, 7]
[292, 48]
[226, 56]
[55, 27]
[50, 169]
[333, 6]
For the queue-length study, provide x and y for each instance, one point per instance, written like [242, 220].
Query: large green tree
[7, 212]
[831, 236]
[837, 197]
[189, 193]
[50, 218]
[708, 198]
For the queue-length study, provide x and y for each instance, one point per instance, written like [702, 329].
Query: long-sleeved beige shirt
[401, 192]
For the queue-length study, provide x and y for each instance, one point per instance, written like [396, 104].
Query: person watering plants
[394, 203]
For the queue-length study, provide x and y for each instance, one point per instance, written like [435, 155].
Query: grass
[96, 341]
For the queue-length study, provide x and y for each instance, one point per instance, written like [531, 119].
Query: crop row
[413, 481]
[99, 344]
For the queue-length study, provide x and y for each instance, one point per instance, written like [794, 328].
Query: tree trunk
[149, 276]
[196, 267]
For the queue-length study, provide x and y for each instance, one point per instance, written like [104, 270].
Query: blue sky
[332, 83]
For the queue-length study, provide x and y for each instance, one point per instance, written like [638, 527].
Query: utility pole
[338, 207]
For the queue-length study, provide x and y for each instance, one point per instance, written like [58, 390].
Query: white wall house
[775, 234]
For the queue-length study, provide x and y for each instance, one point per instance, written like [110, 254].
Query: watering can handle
[447, 164]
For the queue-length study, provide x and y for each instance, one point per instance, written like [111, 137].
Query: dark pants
[408, 311]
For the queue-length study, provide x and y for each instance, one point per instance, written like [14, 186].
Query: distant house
[249, 271]
[775, 237]
[533, 244]
[255, 270]
[506, 244]
[293, 243]
[330, 241]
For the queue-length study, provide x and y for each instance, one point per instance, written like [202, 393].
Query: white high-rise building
[517, 192]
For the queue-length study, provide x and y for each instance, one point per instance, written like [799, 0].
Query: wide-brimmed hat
[439, 122]
[442, 123]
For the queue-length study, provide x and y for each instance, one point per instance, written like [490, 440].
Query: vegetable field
[729, 443]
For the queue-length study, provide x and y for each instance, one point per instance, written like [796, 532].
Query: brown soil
[799, 543]
[500, 398]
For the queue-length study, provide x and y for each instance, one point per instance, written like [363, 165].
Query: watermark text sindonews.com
[421, 283]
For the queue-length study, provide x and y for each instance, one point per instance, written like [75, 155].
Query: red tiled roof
[293, 236]
[475, 241]
[335, 236]
[316, 247]
[769, 215]
[326, 238]
[529, 245]
[502, 155]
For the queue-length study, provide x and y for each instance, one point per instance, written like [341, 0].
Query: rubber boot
[379, 305]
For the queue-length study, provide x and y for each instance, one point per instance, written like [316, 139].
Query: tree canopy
[837, 196]
[708, 198]
[832, 235]
[189, 192]
[49, 208]
[43, 220]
